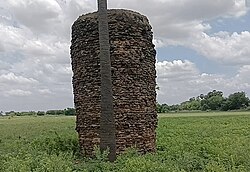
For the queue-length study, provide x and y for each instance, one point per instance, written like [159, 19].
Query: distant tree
[237, 100]
[59, 112]
[11, 113]
[184, 105]
[175, 107]
[214, 93]
[70, 112]
[40, 113]
[29, 113]
[225, 105]
[212, 101]
[191, 99]
[201, 96]
[215, 102]
[204, 106]
[51, 112]
[195, 105]
[158, 108]
[192, 104]
[165, 108]
[162, 108]
[55, 112]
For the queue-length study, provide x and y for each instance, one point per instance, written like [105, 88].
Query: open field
[200, 114]
[191, 142]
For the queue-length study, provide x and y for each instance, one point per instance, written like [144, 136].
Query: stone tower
[133, 77]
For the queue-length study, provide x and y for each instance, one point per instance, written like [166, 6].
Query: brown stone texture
[133, 77]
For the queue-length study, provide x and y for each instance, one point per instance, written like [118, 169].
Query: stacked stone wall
[133, 78]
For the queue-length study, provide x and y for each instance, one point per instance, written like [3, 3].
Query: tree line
[67, 112]
[212, 101]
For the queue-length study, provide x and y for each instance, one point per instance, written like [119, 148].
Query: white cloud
[4, 66]
[243, 76]
[45, 91]
[23, 40]
[224, 47]
[11, 78]
[181, 80]
[11, 37]
[186, 23]
[176, 70]
[35, 40]
[1, 47]
[239, 8]
[17, 92]
[158, 43]
[172, 18]
[37, 15]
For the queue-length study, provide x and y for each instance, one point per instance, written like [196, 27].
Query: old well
[133, 77]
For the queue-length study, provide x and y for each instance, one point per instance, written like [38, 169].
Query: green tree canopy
[213, 100]
[237, 100]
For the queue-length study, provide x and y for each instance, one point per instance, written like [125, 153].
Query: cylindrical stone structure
[133, 78]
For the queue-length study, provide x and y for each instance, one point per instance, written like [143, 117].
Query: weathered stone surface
[133, 78]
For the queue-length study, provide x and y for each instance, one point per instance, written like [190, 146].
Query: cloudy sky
[201, 45]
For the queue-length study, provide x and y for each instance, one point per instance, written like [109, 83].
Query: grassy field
[212, 142]
[203, 114]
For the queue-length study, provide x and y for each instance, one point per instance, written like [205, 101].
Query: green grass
[200, 114]
[211, 142]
